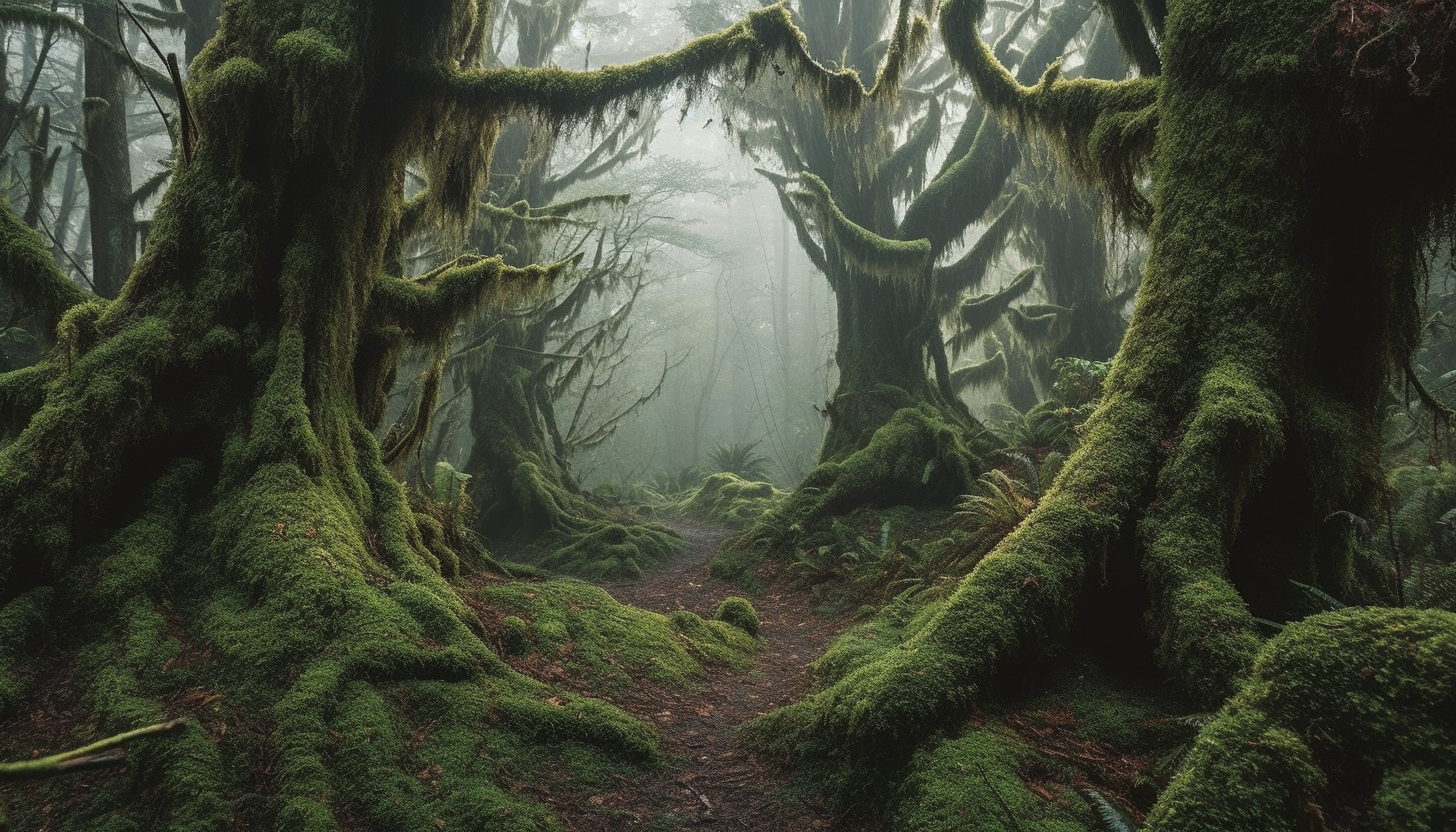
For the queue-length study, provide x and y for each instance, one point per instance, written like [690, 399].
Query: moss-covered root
[1346, 706]
[918, 457]
[1015, 607]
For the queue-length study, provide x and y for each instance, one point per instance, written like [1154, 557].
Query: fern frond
[1110, 816]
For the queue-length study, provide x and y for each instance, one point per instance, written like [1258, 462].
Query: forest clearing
[830, 414]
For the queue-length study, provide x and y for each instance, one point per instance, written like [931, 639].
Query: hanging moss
[906, 262]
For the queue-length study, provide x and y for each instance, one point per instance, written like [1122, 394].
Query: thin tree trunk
[107, 159]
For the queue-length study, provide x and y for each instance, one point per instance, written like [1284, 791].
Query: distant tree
[881, 228]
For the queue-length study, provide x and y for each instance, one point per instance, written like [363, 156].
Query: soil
[713, 781]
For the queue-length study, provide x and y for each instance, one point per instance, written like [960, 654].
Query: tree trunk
[201, 24]
[1244, 409]
[107, 158]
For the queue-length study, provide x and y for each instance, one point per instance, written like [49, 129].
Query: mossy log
[1245, 405]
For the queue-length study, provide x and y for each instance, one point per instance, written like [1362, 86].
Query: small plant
[738, 612]
[998, 505]
[1079, 381]
[740, 458]
[1110, 816]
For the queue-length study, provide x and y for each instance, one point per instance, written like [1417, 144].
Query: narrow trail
[713, 781]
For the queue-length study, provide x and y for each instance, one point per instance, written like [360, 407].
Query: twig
[99, 754]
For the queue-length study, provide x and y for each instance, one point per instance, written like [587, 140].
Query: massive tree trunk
[194, 497]
[1244, 409]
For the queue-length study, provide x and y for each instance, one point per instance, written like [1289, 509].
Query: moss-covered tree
[1297, 158]
[883, 230]
[191, 498]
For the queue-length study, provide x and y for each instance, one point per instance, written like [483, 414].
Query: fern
[741, 459]
[1320, 598]
[1110, 816]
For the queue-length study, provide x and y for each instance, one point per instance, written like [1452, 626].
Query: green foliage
[1416, 540]
[1110, 816]
[999, 507]
[672, 483]
[1054, 424]
[740, 459]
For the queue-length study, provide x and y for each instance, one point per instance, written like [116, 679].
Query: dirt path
[713, 781]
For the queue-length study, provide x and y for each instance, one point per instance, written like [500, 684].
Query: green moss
[972, 782]
[21, 620]
[28, 274]
[1419, 799]
[740, 613]
[1340, 705]
[611, 643]
[514, 636]
[613, 552]
[917, 458]
[728, 500]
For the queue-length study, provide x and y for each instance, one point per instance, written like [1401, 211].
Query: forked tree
[1298, 158]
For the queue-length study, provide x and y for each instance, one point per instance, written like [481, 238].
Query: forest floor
[712, 780]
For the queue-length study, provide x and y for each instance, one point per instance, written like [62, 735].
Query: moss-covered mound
[740, 613]
[608, 644]
[613, 551]
[730, 501]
